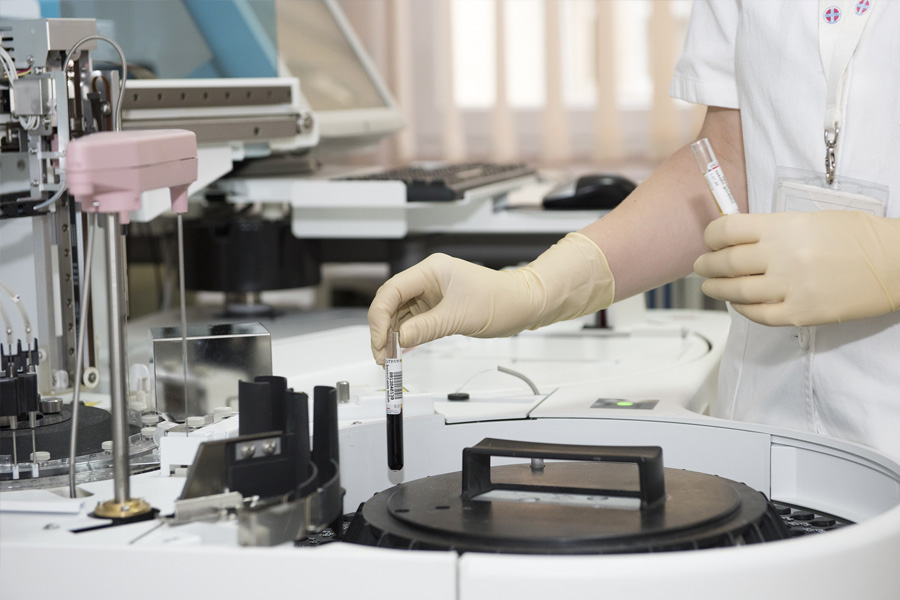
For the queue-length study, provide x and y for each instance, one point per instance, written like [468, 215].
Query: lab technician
[814, 294]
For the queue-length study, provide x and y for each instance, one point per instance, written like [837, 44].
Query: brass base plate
[133, 507]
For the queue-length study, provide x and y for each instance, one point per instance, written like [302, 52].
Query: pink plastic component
[107, 171]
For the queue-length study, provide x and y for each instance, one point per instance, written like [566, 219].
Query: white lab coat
[763, 57]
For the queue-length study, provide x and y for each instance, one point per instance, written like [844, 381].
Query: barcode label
[393, 385]
[715, 179]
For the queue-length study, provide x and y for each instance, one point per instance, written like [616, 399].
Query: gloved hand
[804, 268]
[444, 296]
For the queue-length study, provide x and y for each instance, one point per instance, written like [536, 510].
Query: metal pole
[118, 384]
[79, 355]
[184, 353]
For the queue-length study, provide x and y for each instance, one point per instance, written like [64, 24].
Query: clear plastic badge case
[797, 190]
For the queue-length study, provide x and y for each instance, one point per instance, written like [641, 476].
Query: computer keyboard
[447, 181]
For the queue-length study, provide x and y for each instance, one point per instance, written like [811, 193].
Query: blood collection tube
[393, 396]
[715, 179]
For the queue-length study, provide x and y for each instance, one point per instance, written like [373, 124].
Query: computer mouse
[589, 192]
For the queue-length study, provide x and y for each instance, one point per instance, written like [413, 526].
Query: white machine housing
[796, 468]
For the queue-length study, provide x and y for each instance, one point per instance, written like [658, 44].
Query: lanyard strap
[841, 25]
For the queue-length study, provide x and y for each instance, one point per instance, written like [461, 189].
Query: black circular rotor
[585, 507]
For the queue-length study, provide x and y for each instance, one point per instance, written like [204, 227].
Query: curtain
[412, 43]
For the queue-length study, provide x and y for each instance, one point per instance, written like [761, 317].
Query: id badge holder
[797, 190]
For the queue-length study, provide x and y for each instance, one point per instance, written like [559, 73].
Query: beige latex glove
[804, 268]
[444, 296]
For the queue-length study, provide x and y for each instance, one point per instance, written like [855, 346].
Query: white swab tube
[715, 179]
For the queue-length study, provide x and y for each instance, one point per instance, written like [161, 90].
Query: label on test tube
[393, 385]
[393, 395]
[715, 179]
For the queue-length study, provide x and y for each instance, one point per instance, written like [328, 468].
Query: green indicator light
[624, 403]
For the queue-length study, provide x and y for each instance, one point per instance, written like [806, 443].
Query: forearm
[656, 234]
[652, 238]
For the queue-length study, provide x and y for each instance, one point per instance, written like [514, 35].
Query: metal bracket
[258, 448]
[206, 508]
[276, 521]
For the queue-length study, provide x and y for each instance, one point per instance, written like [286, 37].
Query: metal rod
[13, 423]
[184, 359]
[79, 354]
[34, 461]
[118, 385]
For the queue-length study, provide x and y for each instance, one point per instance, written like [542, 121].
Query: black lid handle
[476, 471]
